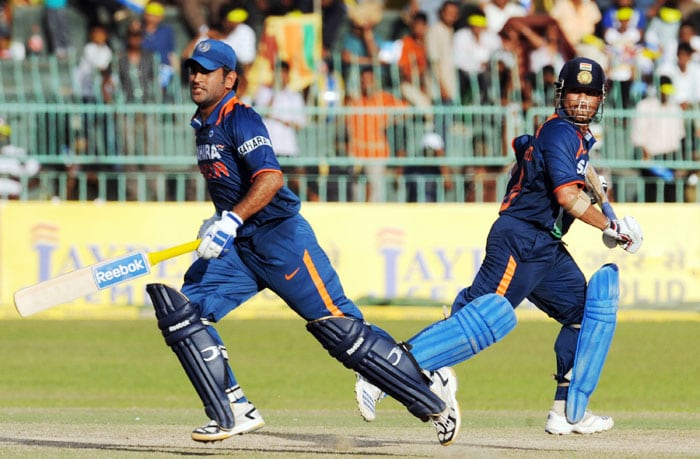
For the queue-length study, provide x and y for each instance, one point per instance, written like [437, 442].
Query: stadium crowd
[426, 54]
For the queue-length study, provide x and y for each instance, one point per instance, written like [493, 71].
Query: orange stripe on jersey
[579, 183]
[320, 286]
[264, 170]
[515, 191]
[517, 187]
[581, 148]
[507, 277]
[228, 108]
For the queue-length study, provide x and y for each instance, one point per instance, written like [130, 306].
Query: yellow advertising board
[386, 251]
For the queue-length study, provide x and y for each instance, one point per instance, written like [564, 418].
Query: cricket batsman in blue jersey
[527, 259]
[257, 239]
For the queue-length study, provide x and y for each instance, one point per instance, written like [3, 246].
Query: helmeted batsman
[527, 259]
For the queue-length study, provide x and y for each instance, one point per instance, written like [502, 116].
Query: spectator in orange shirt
[413, 63]
[367, 124]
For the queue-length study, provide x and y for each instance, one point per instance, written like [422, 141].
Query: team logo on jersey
[252, 144]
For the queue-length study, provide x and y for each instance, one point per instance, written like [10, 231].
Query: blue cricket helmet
[582, 73]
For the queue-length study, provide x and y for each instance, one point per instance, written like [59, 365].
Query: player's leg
[445, 343]
[185, 320]
[299, 271]
[597, 330]
[482, 314]
[480, 317]
[562, 296]
[390, 367]
[516, 259]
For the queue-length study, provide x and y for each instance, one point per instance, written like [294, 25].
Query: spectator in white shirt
[284, 113]
[474, 48]
[439, 43]
[685, 74]
[658, 130]
[498, 12]
[241, 37]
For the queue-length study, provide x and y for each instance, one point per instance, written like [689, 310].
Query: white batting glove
[218, 237]
[206, 224]
[626, 233]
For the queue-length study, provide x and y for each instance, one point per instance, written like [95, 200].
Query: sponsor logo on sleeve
[120, 270]
[252, 144]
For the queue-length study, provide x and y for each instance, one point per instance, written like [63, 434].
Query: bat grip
[608, 211]
[165, 254]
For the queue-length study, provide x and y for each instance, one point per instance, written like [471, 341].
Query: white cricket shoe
[447, 423]
[557, 424]
[367, 396]
[247, 419]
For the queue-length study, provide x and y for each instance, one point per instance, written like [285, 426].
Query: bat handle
[608, 211]
[157, 257]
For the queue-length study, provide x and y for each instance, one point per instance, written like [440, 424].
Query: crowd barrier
[145, 152]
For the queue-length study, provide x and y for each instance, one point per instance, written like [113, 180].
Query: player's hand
[626, 233]
[218, 237]
[206, 224]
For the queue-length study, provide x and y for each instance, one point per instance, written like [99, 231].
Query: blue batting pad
[465, 333]
[597, 330]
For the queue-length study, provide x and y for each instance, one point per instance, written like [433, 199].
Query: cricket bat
[593, 184]
[91, 279]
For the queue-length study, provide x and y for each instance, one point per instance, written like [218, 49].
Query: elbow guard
[579, 204]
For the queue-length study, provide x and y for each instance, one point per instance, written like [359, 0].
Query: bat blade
[593, 184]
[81, 282]
[92, 279]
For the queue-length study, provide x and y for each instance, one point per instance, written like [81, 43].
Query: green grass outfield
[73, 372]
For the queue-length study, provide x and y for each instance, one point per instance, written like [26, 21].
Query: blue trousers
[283, 256]
[523, 261]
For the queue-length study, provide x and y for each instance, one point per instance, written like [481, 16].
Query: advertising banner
[403, 254]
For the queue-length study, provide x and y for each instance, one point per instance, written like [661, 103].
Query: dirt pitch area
[105, 434]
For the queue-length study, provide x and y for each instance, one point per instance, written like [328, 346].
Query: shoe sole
[455, 404]
[210, 438]
[223, 435]
[578, 430]
[252, 427]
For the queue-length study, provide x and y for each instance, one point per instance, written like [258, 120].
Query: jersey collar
[197, 121]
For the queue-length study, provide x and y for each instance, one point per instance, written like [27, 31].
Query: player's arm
[266, 181]
[265, 186]
[574, 200]
[626, 233]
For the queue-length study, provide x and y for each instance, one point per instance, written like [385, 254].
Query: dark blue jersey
[233, 146]
[555, 157]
